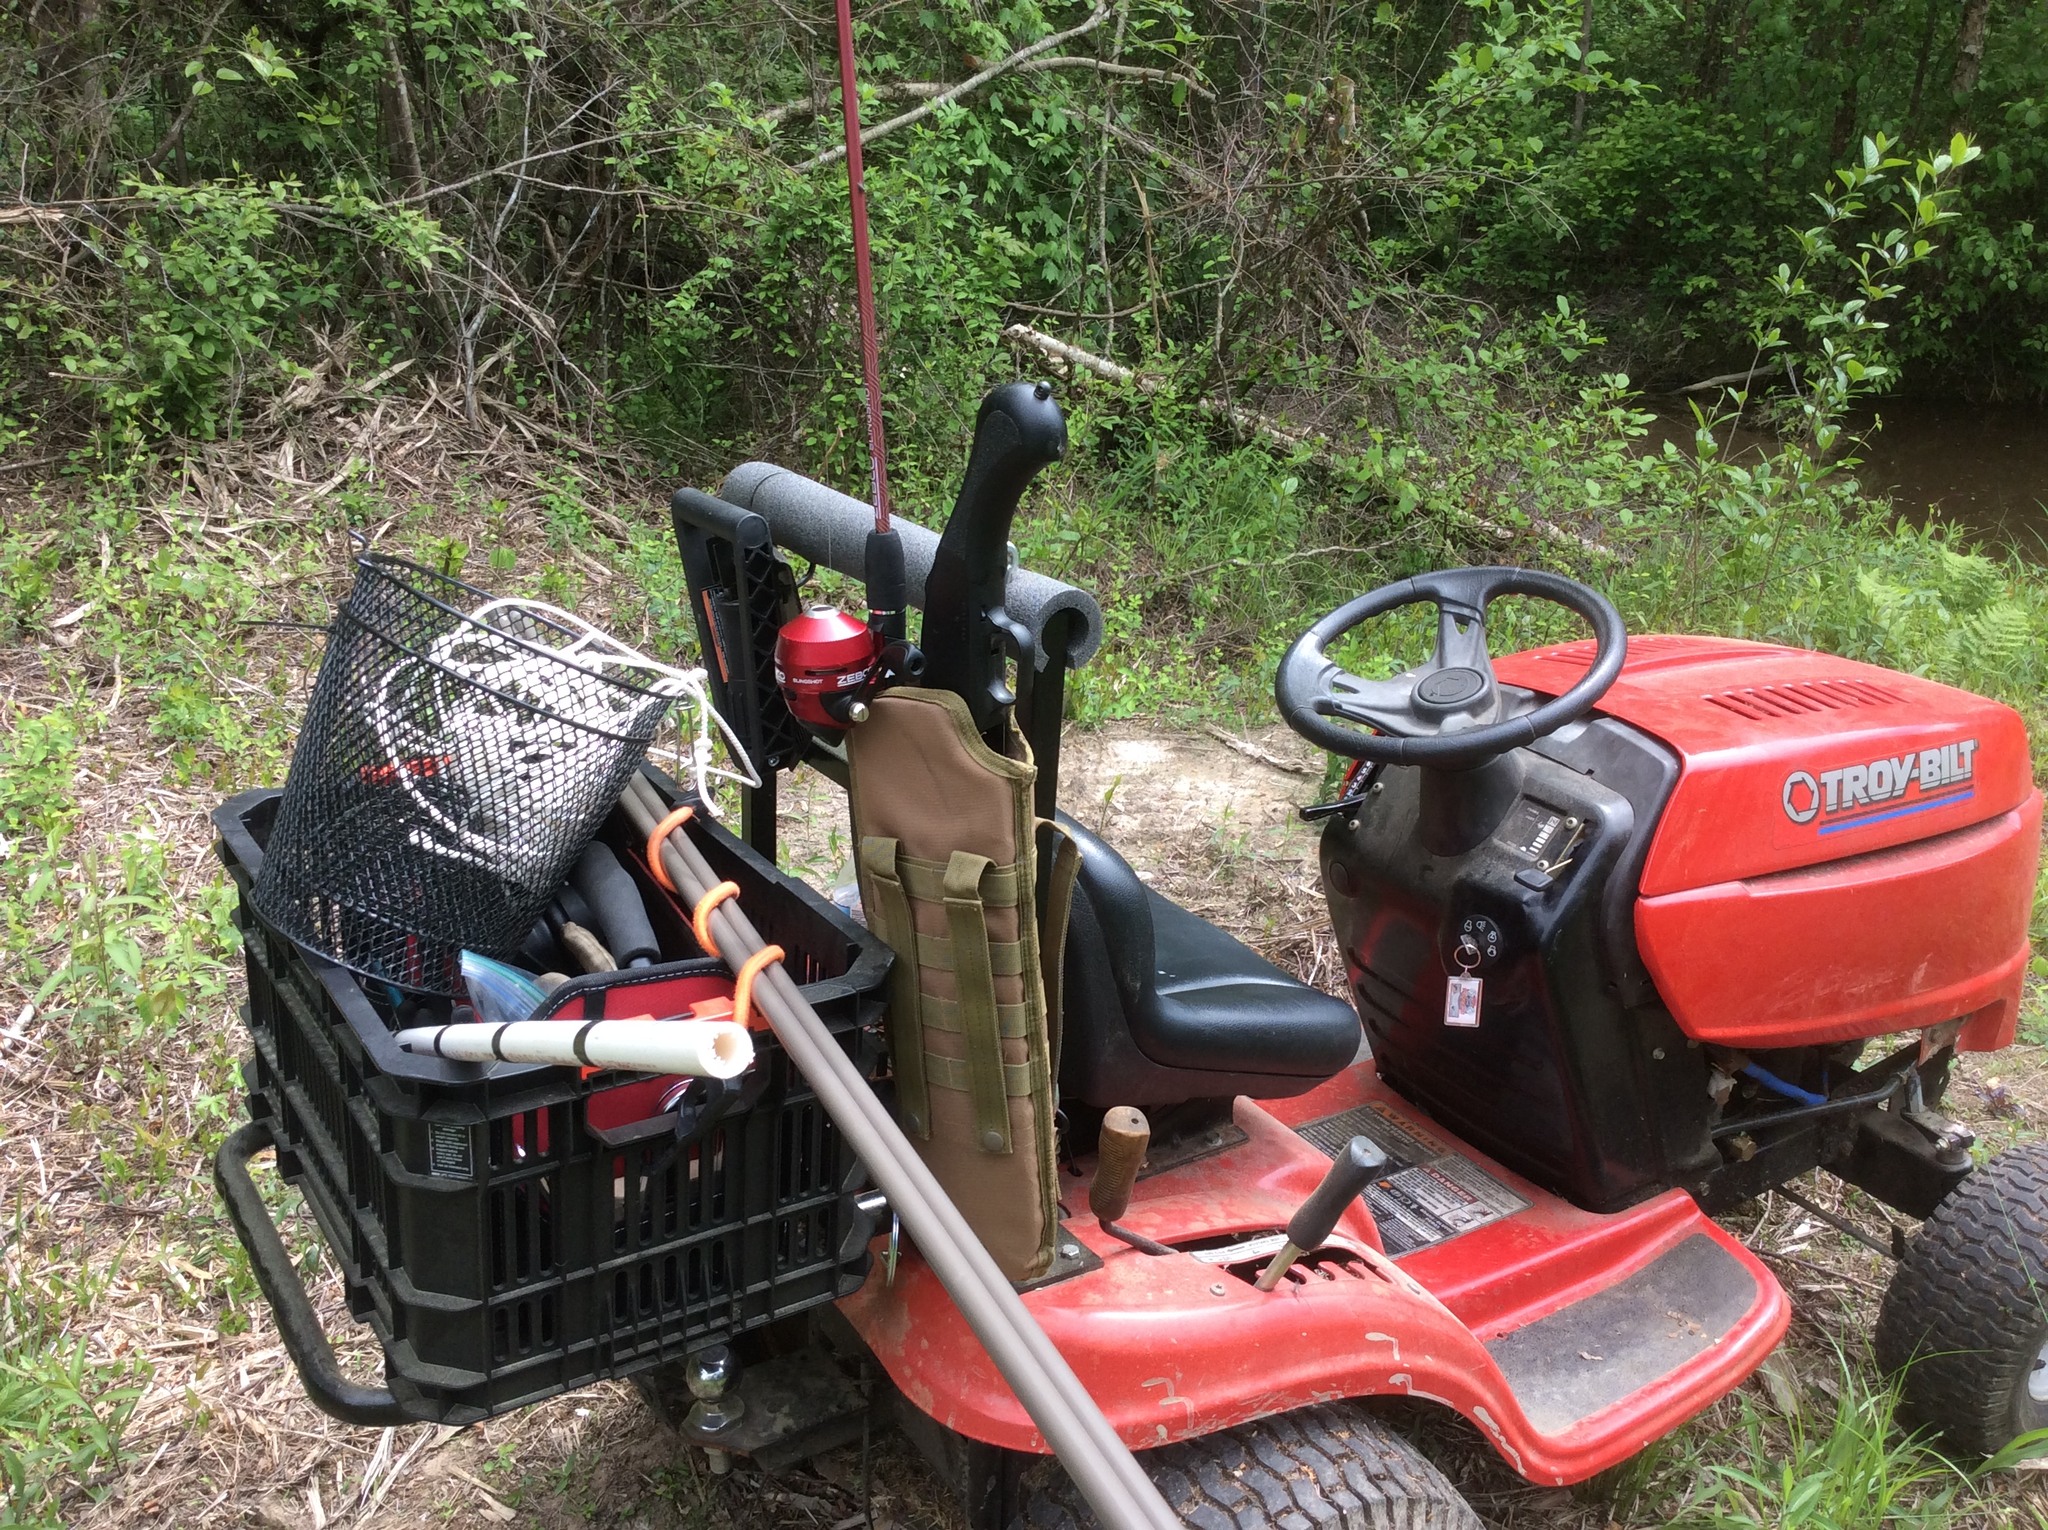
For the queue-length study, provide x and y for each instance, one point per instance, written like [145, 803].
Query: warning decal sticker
[1428, 1192]
[448, 1155]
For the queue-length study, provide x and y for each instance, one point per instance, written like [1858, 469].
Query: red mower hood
[1789, 758]
[1849, 852]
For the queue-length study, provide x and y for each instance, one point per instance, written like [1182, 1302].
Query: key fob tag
[1461, 1000]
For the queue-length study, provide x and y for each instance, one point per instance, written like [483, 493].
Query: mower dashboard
[1538, 904]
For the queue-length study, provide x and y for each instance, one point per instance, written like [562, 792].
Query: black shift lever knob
[1314, 1219]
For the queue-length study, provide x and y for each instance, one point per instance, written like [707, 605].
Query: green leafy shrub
[62, 1410]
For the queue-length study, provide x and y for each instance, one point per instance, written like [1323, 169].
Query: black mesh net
[452, 765]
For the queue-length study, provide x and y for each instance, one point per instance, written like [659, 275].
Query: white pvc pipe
[698, 1048]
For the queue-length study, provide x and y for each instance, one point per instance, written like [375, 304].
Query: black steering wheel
[1446, 712]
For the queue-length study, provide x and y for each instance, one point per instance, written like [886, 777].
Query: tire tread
[1329, 1467]
[1967, 1308]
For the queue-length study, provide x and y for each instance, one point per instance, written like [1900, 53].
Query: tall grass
[1837, 1458]
[62, 1408]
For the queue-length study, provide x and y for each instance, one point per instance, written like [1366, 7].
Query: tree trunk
[71, 94]
[1713, 56]
[1585, 68]
[1920, 68]
[405, 142]
[1969, 49]
[95, 114]
[1845, 113]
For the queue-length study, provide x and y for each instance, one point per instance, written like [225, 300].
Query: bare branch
[953, 93]
[931, 90]
[902, 90]
[1733, 379]
[1119, 71]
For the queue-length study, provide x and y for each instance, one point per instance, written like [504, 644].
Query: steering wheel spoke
[1461, 641]
[1382, 704]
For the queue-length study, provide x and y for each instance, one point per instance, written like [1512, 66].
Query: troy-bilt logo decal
[1850, 796]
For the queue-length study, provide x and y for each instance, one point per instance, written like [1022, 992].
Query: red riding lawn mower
[1039, 1163]
[1634, 931]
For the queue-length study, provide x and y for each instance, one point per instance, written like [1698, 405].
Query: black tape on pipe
[832, 529]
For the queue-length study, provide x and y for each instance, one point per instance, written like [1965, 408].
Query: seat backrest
[1162, 1007]
[1119, 913]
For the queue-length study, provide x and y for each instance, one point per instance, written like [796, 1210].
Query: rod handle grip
[614, 899]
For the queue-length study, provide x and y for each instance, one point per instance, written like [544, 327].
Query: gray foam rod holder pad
[831, 529]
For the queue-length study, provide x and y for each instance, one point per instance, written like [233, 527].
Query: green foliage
[131, 960]
[1668, 210]
[1893, 214]
[1960, 619]
[62, 1410]
[1823, 1453]
[37, 754]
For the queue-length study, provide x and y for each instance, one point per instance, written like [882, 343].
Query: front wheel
[1966, 1316]
[1333, 1465]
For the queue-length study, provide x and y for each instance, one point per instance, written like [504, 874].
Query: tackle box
[510, 1231]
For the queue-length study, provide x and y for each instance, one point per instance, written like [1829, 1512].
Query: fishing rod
[888, 594]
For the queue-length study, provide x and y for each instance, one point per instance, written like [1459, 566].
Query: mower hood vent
[1762, 703]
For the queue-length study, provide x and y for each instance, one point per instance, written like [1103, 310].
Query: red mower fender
[1173, 1348]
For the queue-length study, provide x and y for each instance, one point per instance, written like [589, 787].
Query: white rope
[510, 699]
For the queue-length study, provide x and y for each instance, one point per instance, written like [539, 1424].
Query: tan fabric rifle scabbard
[948, 859]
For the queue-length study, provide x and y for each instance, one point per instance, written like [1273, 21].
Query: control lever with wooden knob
[1120, 1153]
[1311, 1225]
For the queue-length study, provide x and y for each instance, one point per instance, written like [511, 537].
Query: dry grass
[113, 1236]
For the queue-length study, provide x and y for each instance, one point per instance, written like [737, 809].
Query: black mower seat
[1161, 1006]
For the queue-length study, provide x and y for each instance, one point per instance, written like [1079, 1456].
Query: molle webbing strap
[1052, 937]
[961, 1073]
[1005, 958]
[926, 881]
[890, 913]
[1013, 1021]
[976, 984]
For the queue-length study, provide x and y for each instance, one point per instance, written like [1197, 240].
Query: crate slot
[522, 1232]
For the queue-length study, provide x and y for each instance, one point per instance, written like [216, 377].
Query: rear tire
[1333, 1466]
[1966, 1315]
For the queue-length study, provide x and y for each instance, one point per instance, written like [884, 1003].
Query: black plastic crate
[502, 1243]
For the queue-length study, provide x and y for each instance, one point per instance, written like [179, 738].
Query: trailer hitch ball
[709, 1374]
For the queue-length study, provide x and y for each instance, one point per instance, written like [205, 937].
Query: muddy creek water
[1982, 466]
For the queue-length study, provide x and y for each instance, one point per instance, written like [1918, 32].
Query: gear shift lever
[1310, 1226]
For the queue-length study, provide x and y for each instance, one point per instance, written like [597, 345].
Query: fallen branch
[899, 90]
[1119, 71]
[1253, 422]
[932, 90]
[953, 93]
[1251, 751]
[1306, 555]
[1735, 379]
